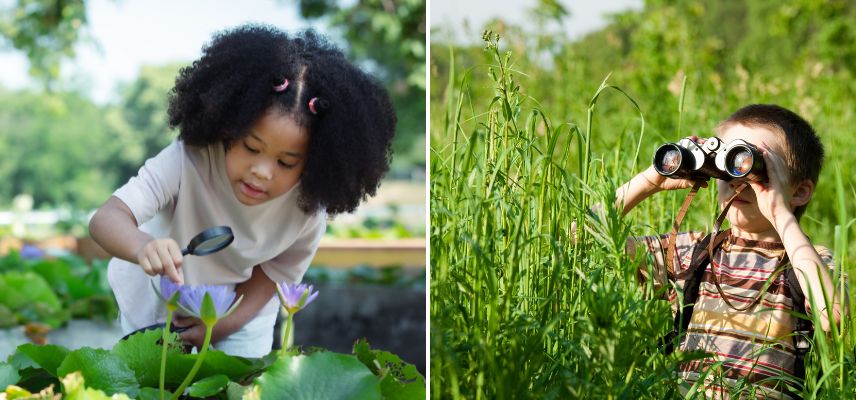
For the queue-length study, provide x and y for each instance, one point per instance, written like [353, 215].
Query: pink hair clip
[281, 87]
[312, 105]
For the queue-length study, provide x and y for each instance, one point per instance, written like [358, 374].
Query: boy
[755, 344]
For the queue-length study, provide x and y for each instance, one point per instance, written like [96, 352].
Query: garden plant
[152, 365]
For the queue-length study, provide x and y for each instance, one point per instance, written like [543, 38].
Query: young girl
[275, 133]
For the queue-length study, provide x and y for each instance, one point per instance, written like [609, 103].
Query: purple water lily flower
[191, 298]
[168, 287]
[30, 252]
[295, 296]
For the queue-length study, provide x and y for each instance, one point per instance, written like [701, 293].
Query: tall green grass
[521, 309]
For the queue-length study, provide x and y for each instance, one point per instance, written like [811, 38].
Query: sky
[586, 15]
[126, 34]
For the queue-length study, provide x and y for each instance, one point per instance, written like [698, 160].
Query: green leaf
[142, 353]
[102, 370]
[48, 357]
[403, 380]
[8, 375]
[31, 288]
[209, 386]
[150, 393]
[10, 297]
[218, 362]
[7, 317]
[74, 387]
[235, 391]
[400, 380]
[322, 375]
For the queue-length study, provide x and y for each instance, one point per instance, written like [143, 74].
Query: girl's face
[267, 162]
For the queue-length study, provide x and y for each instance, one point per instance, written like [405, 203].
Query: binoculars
[712, 159]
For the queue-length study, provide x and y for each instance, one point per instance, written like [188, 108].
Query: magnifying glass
[206, 242]
[209, 241]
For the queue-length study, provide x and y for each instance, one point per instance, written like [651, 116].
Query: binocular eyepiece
[711, 159]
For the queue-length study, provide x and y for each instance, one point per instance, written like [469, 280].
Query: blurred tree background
[63, 149]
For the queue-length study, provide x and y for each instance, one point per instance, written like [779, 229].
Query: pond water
[76, 334]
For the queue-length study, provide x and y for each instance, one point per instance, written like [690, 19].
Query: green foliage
[47, 357]
[102, 369]
[30, 298]
[140, 123]
[45, 30]
[55, 148]
[74, 389]
[131, 368]
[8, 375]
[52, 291]
[399, 380]
[209, 386]
[321, 375]
[388, 36]
[532, 294]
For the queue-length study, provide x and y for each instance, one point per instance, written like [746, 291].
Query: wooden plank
[348, 253]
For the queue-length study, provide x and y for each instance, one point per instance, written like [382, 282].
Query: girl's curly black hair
[221, 95]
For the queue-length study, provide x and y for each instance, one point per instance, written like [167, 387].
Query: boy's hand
[773, 197]
[660, 182]
[161, 257]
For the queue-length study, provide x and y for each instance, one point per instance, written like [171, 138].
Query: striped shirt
[750, 349]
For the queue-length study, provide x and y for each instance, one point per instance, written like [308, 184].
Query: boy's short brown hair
[804, 156]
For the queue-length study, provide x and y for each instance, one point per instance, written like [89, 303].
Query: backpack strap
[804, 329]
[701, 254]
[692, 281]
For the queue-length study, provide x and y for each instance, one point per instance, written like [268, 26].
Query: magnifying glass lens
[213, 243]
[671, 161]
[741, 163]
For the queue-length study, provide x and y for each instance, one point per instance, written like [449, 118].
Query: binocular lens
[741, 163]
[670, 161]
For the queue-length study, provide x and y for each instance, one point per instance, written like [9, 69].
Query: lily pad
[8, 375]
[142, 353]
[322, 375]
[48, 357]
[102, 370]
[75, 389]
[209, 386]
[401, 380]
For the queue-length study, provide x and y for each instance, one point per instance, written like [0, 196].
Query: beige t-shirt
[184, 190]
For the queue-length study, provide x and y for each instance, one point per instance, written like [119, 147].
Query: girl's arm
[257, 291]
[114, 228]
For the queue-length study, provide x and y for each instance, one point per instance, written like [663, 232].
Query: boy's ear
[802, 193]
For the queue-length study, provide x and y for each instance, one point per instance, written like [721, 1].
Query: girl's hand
[161, 257]
[195, 333]
[773, 196]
